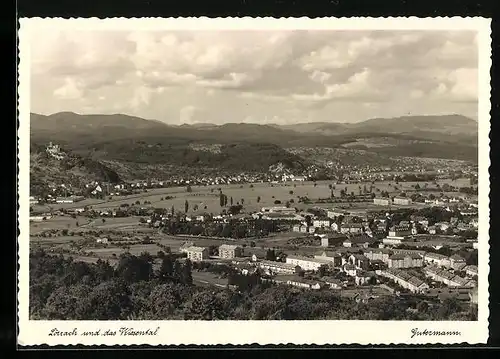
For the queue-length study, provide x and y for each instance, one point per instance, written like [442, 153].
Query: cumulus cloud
[254, 75]
[71, 89]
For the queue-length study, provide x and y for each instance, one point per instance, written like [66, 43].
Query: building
[306, 263]
[334, 257]
[381, 201]
[183, 248]
[442, 226]
[284, 210]
[281, 216]
[437, 259]
[359, 260]
[399, 231]
[360, 241]
[381, 254]
[229, 251]
[448, 278]
[402, 201]
[332, 240]
[350, 269]
[297, 178]
[405, 261]
[457, 262]
[473, 296]
[354, 228]
[197, 254]
[55, 151]
[333, 213]
[392, 241]
[471, 270]
[363, 277]
[272, 267]
[408, 251]
[304, 283]
[405, 280]
[332, 283]
[321, 223]
[424, 222]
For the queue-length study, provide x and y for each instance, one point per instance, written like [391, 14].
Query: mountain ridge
[406, 135]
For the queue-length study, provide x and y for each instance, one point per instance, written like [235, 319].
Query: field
[58, 223]
[206, 198]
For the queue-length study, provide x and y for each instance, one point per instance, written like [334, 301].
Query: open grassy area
[58, 223]
[208, 196]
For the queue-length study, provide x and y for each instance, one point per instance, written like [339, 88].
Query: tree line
[63, 289]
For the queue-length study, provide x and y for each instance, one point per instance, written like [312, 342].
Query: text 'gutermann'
[415, 332]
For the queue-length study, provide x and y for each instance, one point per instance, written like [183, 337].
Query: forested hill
[453, 137]
[255, 157]
[73, 170]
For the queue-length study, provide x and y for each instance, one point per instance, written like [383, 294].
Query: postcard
[234, 181]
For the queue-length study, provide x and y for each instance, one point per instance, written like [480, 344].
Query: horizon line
[250, 123]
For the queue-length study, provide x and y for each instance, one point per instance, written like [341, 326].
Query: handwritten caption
[123, 331]
[416, 332]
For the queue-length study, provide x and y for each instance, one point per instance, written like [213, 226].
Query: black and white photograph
[212, 174]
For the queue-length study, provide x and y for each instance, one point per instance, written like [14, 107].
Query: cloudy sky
[255, 76]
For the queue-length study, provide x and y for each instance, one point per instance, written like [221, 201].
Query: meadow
[254, 196]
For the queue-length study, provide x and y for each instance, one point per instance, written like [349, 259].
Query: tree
[258, 199]
[242, 201]
[235, 209]
[290, 192]
[177, 270]
[231, 201]
[172, 210]
[103, 220]
[422, 307]
[186, 206]
[189, 189]
[187, 277]
[195, 207]
[270, 255]
[322, 270]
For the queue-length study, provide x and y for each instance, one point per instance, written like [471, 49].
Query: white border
[261, 332]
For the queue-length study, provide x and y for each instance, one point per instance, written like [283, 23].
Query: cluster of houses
[385, 201]
[345, 223]
[448, 278]
[362, 265]
[404, 279]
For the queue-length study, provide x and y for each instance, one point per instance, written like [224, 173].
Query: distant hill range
[417, 126]
[251, 146]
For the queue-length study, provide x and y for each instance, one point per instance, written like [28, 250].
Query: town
[363, 236]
